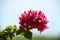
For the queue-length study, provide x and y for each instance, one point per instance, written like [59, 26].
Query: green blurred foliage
[15, 33]
[12, 31]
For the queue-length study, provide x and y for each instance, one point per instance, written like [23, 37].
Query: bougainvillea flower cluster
[33, 19]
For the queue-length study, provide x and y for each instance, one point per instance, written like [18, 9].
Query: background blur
[10, 10]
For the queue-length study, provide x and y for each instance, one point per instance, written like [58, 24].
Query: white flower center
[24, 23]
[39, 21]
[25, 28]
[29, 26]
[33, 19]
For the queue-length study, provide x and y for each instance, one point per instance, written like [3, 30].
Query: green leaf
[9, 27]
[11, 35]
[15, 26]
[28, 35]
[3, 38]
[20, 31]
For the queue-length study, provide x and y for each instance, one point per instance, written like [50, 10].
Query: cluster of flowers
[33, 19]
[28, 20]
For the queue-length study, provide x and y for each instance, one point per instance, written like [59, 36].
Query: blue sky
[10, 10]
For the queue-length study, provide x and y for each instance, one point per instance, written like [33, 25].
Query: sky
[10, 10]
